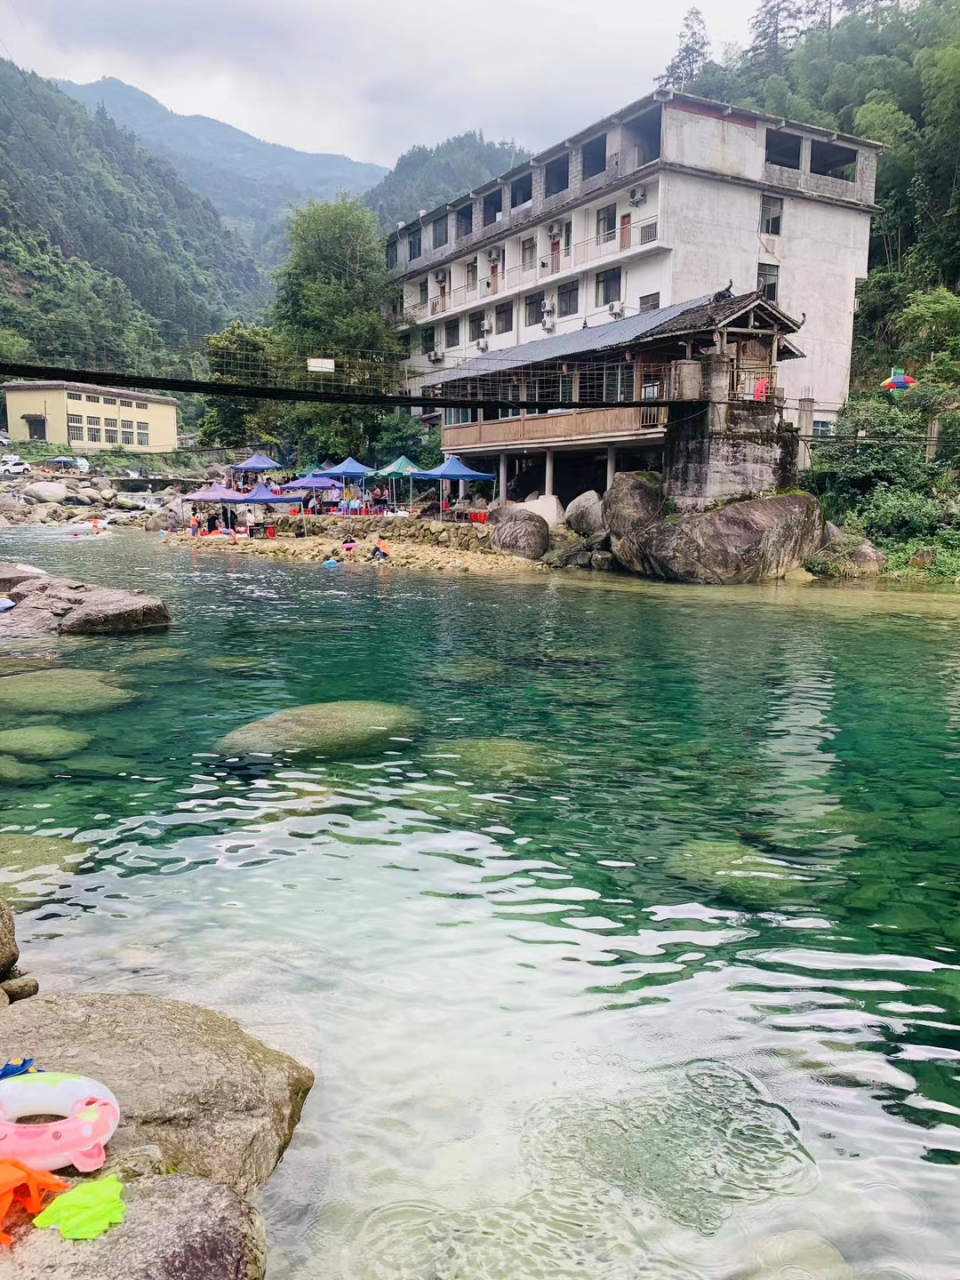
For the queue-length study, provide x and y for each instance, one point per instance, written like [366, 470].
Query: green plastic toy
[86, 1211]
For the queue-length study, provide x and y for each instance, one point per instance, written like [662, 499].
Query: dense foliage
[426, 177]
[253, 184]
[82, 187]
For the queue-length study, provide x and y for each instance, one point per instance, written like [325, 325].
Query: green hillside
[252, 183]
[82, 186]
[425, 177]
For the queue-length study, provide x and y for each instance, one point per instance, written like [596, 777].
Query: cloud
[370, 78]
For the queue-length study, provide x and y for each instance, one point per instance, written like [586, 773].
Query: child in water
[349, 545]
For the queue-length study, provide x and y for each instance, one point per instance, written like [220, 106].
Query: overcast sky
[369, 78]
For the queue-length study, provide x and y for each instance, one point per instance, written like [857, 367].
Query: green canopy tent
[397, 470]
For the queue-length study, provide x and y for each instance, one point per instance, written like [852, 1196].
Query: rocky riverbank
[206, 1112]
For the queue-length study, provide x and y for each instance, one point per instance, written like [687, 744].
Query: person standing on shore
[172, 525]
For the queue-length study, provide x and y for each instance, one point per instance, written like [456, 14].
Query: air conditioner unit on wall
[493, 255]
[487, 326]
[440, 276]
[435, 356]
[616, 309]
[555, 230]
[638, 196]
[482, 344]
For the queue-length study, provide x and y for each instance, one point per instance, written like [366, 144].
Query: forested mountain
[78, 190]
[425, 177]
[253, 184]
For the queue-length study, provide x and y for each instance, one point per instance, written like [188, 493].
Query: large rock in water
[332, 729]
[9, 951]
[60, 606]
[743, 542]
[46, 491]
[521, 533]
[11, 574]
[216, 1102]
[176, 1227]
[585, 514]
[631, 503]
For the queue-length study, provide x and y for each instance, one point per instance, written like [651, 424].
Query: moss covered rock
[97, 765]
[491, 758]
[25, 852]
[42, 742]
[468, 670]
[734, 869]
[16, 771]
[331, 729]
[66, 690]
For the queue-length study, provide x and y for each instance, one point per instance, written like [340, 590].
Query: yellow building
[90, 418]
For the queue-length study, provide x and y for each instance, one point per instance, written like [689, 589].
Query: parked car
[11, 464]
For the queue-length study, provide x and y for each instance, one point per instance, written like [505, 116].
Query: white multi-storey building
[662, 202]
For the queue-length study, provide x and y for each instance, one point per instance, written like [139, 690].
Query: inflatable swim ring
[90, 1117]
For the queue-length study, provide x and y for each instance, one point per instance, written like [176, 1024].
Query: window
[36, 427]
[568, 298]
[505, 317]
[451, 333]
[521, 191]
[783, 149]
[594, 156]
[455, 417]
[822, 429]
[109, 436]
[126, 404]
[109, 399]
[608, 286]
[618, 382]
[126, 437]
[93, 435]
[143, 426]
[94, 399]
[476, 326]
[74, 395]
[74, 433]
[142, 404]
[404, 346]
[556, 175]
[93, 422]
[566, 388]
[533, 309]
[427, 339]
[109, 422]
[424, 292]
[441, 231]
[648, 302]
[391, 254]
[510, 391]
[472, 274]
[528, 255]
[143, 437]
[464, 220]
[492, 207]
[75, 419]
[771, 213]
[768, 278]
[606, 223]
[414, 248]
[832, 161]
[567, 238]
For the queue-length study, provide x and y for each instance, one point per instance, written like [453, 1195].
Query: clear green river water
[675, 969]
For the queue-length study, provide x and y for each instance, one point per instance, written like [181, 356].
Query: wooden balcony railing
[619, 422]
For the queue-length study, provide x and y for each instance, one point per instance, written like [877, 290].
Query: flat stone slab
[175, 1227]
[215, 1101]
[60, 606]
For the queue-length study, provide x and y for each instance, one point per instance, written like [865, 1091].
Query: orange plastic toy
[23, 1186]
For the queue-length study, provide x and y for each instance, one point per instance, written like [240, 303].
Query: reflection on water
[671, 972]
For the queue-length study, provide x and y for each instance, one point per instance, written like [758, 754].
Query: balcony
[565, 428]
[557, 260]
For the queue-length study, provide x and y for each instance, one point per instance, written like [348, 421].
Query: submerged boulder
[521, 532]
[216, 1102]
[332, 729]
[17, 772]
[64, 689]
[742, 542]
[151, 657]
[42, 742]
[24, 851]
[734, 869]
[491, 758]
[585, 514]
[798, 1253]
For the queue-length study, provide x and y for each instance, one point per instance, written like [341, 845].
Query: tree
[775, 28]
[692, 53]
[241, 354]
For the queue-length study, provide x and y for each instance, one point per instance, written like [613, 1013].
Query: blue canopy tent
[349, 469]
[258, 462]
[452, 469]
[259, 495]
[309, 484]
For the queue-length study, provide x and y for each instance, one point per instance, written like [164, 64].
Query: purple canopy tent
[310, 484]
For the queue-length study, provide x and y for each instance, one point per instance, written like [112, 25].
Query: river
[677, 973]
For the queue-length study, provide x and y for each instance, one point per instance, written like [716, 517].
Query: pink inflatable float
[90, 1117]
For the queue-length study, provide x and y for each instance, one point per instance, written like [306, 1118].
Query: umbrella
[259, 462]
[899, 382]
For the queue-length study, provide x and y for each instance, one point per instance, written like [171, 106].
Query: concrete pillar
[548, 474]
[502, 489]
[611, 463]
[463, 488]
[805, 416]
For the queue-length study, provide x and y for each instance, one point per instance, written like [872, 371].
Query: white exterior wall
[714, 231]
[732, 145]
